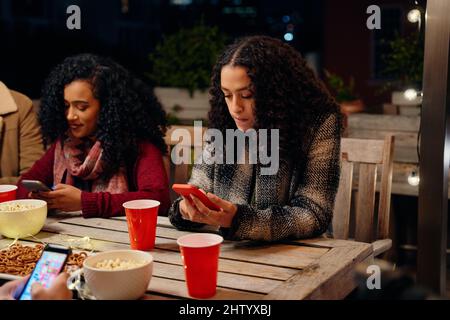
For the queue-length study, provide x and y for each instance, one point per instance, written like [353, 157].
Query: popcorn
[118, 264]
[16, 207]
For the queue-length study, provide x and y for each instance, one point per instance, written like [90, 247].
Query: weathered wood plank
[163, 256]
[362, 150]
[385, 190]
[384, 122]
[402, 138]
[171, 233]
[324, 281]
[232, 266]
[120, 225]
[148, 296]
[270, 254]
[366, 202]
[178, 289]
[325, 242]
[405, 154]
[341, 214]
[225, 280]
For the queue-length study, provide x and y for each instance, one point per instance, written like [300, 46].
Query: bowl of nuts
[118, 274]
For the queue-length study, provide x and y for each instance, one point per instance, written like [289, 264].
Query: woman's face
[239, 96]
[82, 109]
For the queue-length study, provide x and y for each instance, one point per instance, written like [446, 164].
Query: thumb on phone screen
[57, 291]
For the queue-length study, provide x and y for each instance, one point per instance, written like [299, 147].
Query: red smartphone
[186, 190]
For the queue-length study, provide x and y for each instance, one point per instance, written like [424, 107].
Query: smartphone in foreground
[50, 264]
[35, 185]
[186, 190]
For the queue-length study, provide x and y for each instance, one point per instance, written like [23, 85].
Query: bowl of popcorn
[22, 218]
[118, 274]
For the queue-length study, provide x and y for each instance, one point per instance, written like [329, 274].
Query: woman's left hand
[64, 197]
[9, 289]
[222, 218]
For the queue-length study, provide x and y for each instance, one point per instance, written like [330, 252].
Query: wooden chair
[179, 173]
[370, 226]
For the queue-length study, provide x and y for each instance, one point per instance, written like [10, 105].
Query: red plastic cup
[142, 216]
[7, 192]
[200, 254]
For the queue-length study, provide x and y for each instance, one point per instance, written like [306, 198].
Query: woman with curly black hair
[106, 129]
[262, 83]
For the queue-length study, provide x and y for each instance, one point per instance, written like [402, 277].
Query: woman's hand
[8, 290]
[64, 197]
[194, 210]
[57, 291]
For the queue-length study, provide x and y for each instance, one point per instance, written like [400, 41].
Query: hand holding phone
[35, 186]
[50, 264]
[186, 190]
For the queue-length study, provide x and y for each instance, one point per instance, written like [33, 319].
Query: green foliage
[342, 91]
[404, 63]
[185, 59]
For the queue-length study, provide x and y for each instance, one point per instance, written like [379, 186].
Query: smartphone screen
[47, 269]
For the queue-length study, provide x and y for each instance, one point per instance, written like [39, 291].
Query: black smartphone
[50, 264]
[35, 185]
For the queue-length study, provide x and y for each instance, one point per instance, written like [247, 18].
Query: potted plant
[345, 95]
[182, 65]
[404, 67]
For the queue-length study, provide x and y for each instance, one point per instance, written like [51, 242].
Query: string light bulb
[288, 36]
[414, 16]
[410, 94]
[413, 179]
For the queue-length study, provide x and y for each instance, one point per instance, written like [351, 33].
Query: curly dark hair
[129, 110]
[288, 96]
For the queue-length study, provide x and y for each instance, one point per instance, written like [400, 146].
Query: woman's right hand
[194, 210]
[57, 291]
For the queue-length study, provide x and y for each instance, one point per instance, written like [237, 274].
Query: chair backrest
[368, 154]
[179, 173]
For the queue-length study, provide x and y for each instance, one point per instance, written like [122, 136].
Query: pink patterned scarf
[79, 158]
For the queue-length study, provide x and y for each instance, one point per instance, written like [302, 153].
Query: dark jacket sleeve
[202, 176]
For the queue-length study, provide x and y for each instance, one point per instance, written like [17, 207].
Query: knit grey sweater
[296, 203]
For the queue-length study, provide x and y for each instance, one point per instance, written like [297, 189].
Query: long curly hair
[129, 111]
[288, 96]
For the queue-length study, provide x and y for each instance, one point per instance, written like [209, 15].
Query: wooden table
[318, 268]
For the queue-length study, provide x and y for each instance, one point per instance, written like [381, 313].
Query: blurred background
[331, 34]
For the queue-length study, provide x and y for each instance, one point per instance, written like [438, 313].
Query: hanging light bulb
[288, 36]
[414, 16]
[413, 179]
[410, 94]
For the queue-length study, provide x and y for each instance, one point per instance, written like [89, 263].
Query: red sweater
[150, 182]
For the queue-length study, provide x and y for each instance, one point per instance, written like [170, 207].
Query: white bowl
[129, 284]
[23, 223]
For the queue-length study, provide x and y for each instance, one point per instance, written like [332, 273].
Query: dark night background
[35, 38]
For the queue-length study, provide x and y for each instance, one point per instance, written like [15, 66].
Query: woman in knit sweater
[105, 129]
[262, 83]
